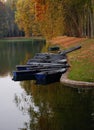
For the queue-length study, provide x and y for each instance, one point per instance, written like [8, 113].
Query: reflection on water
[55, 107]
[13, 53]
[27, 106]
[10, 117]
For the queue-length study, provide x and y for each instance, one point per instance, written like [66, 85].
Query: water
[27, 106]
[10, 117]
[11, 54]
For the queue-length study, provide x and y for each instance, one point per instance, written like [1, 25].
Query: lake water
[27, 106]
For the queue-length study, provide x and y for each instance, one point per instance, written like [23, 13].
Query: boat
[24, 75]
[37, 66]
[47, 58]
[51, 76]
[54, 48]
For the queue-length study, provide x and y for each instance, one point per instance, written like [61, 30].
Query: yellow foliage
[25, 16]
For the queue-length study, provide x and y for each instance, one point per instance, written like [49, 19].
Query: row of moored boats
[44, 67]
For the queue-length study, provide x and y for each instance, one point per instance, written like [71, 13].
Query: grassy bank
[22, 39]
[82, 62]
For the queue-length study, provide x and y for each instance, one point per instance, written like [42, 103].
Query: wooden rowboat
[23, 75]
[54, 48]
[47, 77]
[41, 66]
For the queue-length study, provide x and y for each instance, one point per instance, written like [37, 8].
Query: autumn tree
[50, 17]
[88, 19]
[79, 17]
[12, 28]
[2, 20]
[25, 17]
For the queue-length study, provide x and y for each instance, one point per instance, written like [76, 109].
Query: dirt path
[66, 41]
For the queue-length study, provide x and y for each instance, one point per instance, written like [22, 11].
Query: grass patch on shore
[82, 62]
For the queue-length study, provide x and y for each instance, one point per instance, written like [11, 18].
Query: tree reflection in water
[55, 107]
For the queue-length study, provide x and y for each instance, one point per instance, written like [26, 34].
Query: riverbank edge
[72, 83]
[64, 78]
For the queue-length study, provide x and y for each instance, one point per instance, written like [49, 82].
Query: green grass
[82, 62]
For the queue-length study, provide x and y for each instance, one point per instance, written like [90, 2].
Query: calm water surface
[27, 106]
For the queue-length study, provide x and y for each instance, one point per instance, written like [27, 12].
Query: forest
[47, 18]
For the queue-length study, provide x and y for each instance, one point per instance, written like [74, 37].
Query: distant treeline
[8, 27]
[47, 18]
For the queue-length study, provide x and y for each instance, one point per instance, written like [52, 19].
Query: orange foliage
[40, 1]
[40, 10]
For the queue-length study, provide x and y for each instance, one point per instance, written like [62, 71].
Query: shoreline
[72, 83]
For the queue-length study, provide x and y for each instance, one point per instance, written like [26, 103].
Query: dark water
[27, 106]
